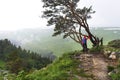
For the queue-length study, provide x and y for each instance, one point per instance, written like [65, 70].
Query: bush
[114, 43]
[110, 68]
[96, 49]
[116, 74]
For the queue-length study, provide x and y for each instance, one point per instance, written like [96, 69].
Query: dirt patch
[94, 64]
[100, 68]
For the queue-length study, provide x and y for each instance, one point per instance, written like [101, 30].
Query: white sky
[19, 14]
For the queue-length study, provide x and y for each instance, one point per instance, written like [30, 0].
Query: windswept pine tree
[69, 19]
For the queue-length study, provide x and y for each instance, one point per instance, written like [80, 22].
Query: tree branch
[74, 39]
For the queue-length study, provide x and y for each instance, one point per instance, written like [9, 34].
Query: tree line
[17, 59]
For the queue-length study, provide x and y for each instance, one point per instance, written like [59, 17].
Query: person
[84, 42]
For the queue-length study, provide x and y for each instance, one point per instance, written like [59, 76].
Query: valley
[41, 40]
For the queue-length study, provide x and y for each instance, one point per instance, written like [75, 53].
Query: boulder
[113, 56]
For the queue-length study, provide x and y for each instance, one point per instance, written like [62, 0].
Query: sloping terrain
[75, 66]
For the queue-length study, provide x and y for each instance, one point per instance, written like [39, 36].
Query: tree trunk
[84, 46]
[93, 39]
[101, 41]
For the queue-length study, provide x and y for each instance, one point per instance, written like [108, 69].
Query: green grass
[2, 64]
[63, 68]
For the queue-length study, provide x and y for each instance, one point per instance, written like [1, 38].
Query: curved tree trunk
[92, 38]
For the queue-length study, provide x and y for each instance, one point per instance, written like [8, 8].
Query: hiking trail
[100, 67]
[96, 65]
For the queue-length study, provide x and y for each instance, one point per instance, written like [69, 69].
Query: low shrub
[97, 49]
[110, 68]
[114, 43]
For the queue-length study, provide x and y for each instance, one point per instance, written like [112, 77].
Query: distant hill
[41, 40]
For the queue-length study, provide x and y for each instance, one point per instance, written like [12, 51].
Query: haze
[20, 14]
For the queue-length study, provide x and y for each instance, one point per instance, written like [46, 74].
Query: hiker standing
[84, 43]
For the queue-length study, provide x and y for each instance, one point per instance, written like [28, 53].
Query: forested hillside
[15, 59]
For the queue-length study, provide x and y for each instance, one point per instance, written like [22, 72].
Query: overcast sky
[19, 14]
